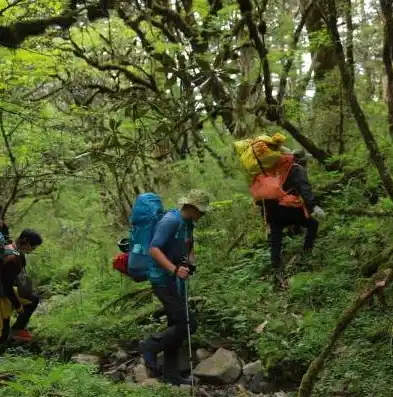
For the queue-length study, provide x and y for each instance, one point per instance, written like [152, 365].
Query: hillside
[82, 311]
[102, 100]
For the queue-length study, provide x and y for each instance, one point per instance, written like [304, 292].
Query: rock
[141, 374]
[114, 375]
[251, 369]
[280, 394]
[87, 359]
[150, 382]
[223, 367]
[122, 368]
[243, 381]
[258, 384]
[120, 356]
[203, 354]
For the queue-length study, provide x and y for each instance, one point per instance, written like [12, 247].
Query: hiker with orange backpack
[279, 184]
[289, 203]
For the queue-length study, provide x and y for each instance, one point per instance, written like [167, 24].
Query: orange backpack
[269, 184]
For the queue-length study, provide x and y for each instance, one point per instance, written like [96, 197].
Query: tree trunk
[348, 85]
[387, 11]
[325, 110]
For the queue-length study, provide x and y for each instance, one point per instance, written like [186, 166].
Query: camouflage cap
[198, 199]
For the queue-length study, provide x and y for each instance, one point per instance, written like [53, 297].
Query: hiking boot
[149, 357]
[21, 336]
[176, 380]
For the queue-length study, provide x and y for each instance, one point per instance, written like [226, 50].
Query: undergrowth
[73, 271]
[50, 379]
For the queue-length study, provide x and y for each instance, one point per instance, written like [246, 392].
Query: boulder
[221, 368]
[87, 359]
[141, 373]
[258, 384]
[251, 369]
[203, 354]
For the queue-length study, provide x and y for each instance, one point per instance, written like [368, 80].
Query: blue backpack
[146, 213]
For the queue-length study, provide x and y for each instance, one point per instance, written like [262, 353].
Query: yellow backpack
[264, 148]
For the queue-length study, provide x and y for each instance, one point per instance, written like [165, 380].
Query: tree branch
[15, 34]
[309, 379]
[246, 10]
[289, 62]
[78, 51]
[2, 11]
[349, 43]
[8, 146]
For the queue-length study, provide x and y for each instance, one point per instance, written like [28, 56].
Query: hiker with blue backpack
[169, 258]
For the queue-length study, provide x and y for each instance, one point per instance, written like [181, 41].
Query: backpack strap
[257, 158]
[10, 252]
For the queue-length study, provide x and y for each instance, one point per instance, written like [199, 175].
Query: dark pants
[28, 310]
[171, 340]
[284, 218]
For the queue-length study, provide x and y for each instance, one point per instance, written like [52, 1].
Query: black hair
[30, 236]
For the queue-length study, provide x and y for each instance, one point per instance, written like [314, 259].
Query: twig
[236, 242]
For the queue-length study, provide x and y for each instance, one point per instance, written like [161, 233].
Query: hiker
[279, 216]
[12, 273]
[300, 157]
[172, 251]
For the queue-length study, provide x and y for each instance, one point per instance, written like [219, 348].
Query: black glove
[191, 268]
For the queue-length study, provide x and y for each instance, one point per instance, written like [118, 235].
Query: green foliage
[48, 379]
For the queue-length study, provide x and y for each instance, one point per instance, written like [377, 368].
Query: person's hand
[318, 212]
[182, 272]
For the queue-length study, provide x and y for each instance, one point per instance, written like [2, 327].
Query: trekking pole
[189, 340]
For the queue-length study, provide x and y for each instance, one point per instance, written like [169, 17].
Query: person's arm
[162, 259]
[302, 185]
[11, 267]
[165, 232]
